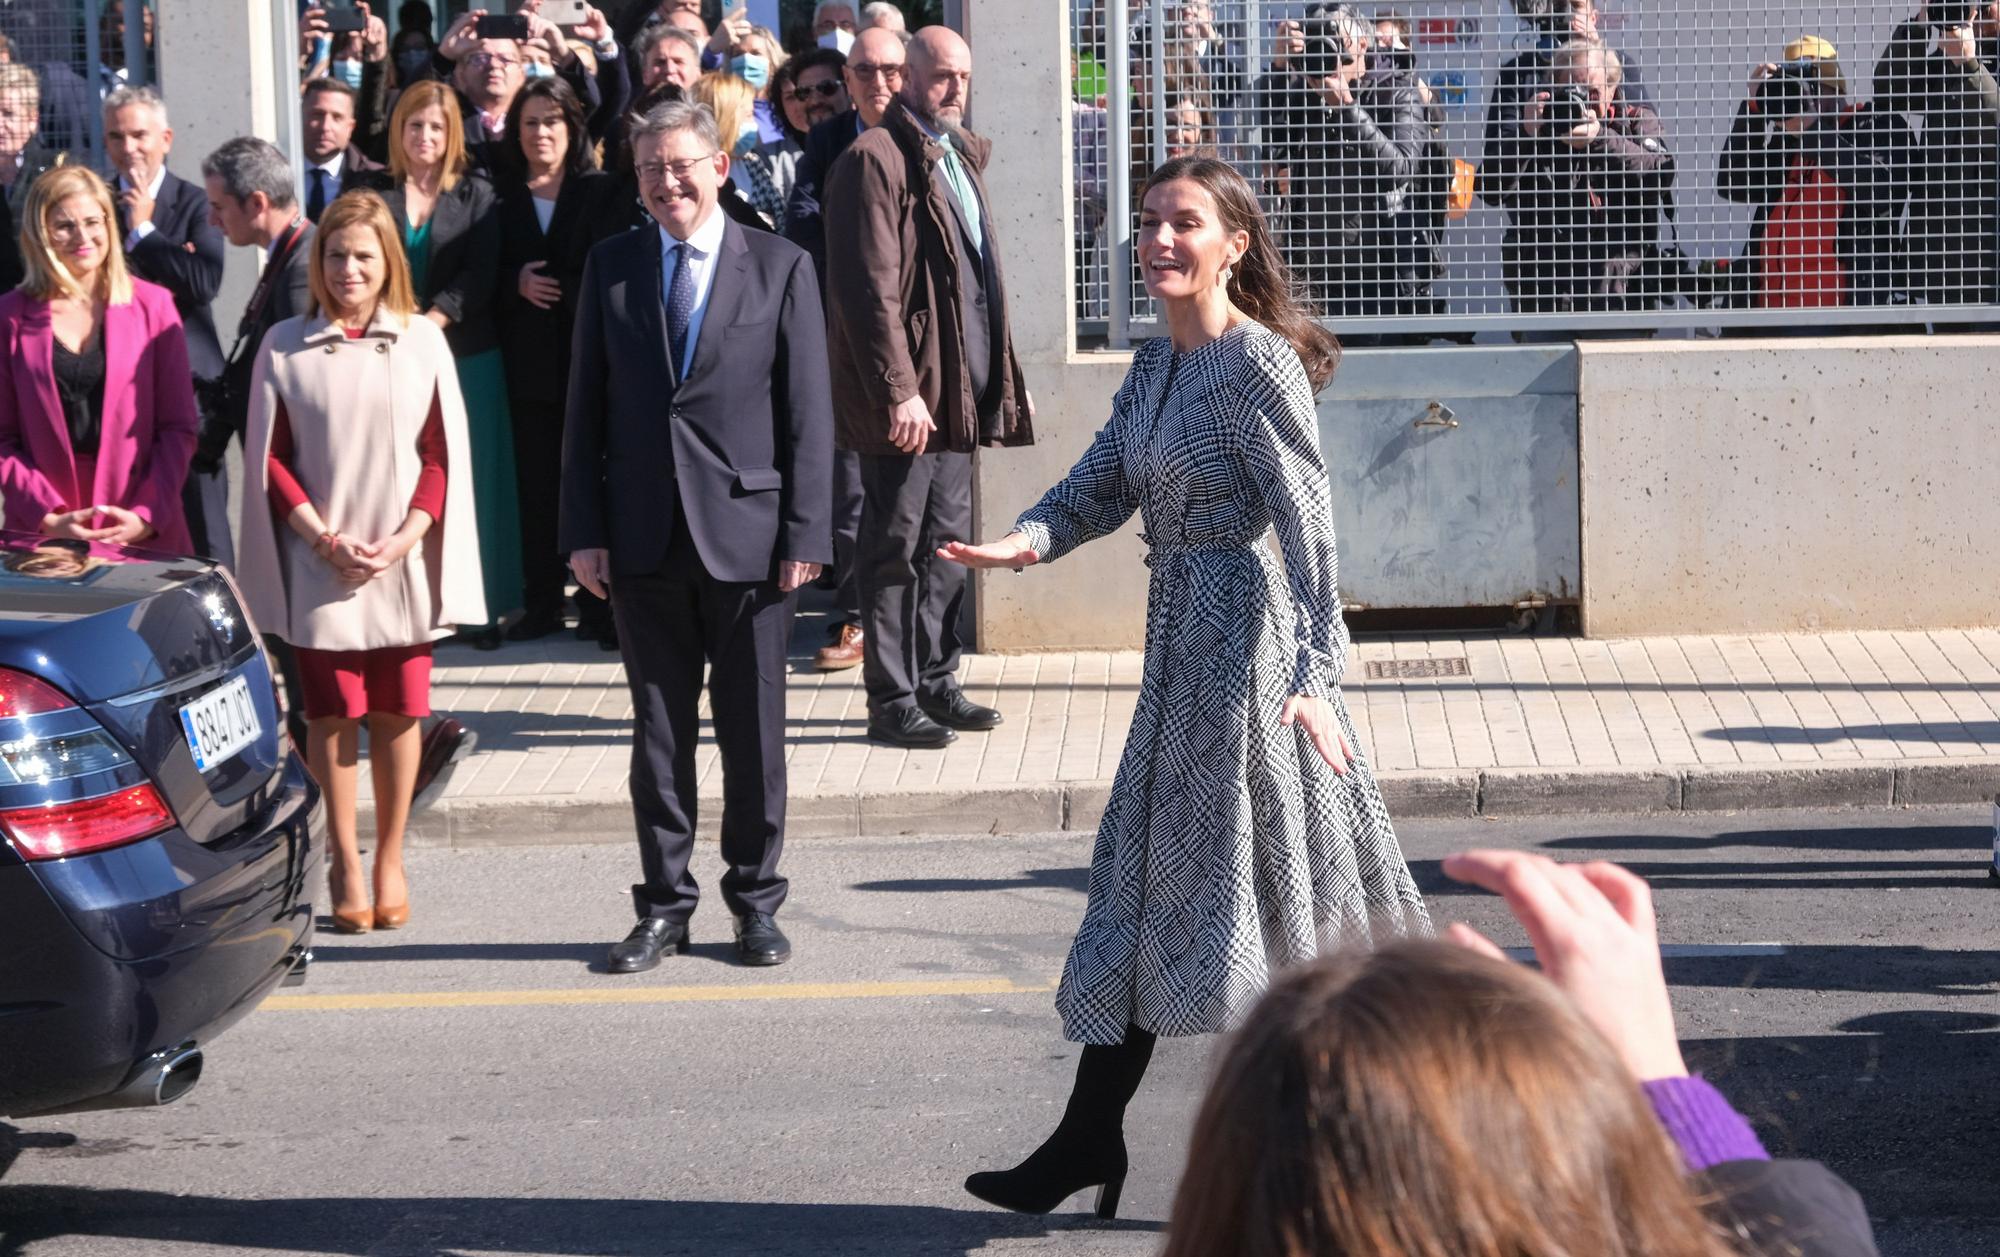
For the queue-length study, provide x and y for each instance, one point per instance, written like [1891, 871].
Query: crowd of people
[1857, 203]
[696, 337]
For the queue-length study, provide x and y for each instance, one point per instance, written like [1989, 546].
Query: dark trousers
[910, 598]
[538, 438]
[847, 499]
[670, 622]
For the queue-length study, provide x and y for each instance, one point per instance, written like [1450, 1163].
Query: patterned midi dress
[1229, 847]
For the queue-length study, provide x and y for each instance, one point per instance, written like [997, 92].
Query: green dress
[483, 380]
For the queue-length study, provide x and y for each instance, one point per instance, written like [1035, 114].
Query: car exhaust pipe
[161, 1078]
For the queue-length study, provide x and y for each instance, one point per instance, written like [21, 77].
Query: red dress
[390, 680]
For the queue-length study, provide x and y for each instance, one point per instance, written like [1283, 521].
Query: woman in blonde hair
[97, 412]
[734, 104]
[449, 222]
[368, 549]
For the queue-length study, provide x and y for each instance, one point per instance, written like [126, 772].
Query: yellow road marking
[653, 995]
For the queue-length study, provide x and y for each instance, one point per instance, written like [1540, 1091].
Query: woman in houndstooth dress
[1244, 830]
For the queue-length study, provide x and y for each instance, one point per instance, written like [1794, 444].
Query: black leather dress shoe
[642, 948]
[759, 941]
[909, 728]
[956, 711]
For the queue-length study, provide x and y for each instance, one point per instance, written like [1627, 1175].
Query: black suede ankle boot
[1088, 1146]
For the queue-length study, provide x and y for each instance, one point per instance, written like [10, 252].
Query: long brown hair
[1423, 1101]
[361, 207]
[1263, 287]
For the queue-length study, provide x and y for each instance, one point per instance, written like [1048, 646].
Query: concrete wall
[1773, 486]
[219, 76]
[1095, 598]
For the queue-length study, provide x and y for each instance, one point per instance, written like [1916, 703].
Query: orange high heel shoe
[392, 916]
[359, 922]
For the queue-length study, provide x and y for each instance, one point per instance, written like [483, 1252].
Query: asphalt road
[471, 1085]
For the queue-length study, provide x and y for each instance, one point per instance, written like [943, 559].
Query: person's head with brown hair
[1200, 227]
[426, 134]
[357, 264]
[69, 239]
[1428, 1101]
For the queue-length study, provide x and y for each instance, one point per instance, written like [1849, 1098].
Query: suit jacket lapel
[725, 296]
[39, 345]
[121, 365]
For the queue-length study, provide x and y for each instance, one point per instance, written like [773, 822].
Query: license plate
[220, 723]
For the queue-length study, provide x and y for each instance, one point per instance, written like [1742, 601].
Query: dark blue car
[159, 836]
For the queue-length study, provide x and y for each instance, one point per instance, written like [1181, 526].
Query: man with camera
[1508, 146]
[1344, 149]
[1828, 178]
[483, 56]
[1587, 197]
[1932, 69]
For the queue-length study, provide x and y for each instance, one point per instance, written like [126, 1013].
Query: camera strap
[260, 296]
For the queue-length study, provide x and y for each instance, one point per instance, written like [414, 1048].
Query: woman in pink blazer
[97, 412]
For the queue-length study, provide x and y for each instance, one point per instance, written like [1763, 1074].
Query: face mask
[412, 63]
[348, 72]
[538, 70]
[839, 40]
[754, 70]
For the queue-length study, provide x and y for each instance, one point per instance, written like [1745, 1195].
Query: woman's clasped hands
[358, 562]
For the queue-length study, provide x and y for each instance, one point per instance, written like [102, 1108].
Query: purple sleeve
[1701, 1123]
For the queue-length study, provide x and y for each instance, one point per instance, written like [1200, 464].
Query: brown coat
[893, 310]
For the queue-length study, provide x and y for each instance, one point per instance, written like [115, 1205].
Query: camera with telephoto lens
[1547, 16]
[1325, 51]
[1568, 108]
[1789, 91]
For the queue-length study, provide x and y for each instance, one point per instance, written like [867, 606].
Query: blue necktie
[680, 308]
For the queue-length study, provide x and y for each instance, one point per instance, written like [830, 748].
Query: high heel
[1107, 1199]
[1059, 1169]
[353, 922]
[392, 917]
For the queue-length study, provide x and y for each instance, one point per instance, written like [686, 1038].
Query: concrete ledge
[1751, 789]
[1543, 791]
[1935, 782]
[1411, 794]
[1428, 795]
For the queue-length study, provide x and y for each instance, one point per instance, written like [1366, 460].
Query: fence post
[1117, 180]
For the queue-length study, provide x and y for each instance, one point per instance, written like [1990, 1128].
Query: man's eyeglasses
[825, 91]
[654, 171]
[869, 70]
[481, 60]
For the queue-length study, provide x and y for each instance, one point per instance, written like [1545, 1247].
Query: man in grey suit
[697, 460]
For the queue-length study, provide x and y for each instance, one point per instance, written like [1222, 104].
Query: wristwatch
[607, 48]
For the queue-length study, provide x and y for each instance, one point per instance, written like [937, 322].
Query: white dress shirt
[140, 232]
[702, 247]
[331, 169]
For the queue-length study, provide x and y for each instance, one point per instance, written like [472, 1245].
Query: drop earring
[1228, 273]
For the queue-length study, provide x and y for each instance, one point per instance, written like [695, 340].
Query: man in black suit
[697, 452]
[874, 73]
[163, 221]
[334, 163]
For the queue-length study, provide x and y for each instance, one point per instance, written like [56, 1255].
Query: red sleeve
[429, 497]
[286, 495]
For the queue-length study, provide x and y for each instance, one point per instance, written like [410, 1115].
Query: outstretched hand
[1595, 936]
[1010, 551]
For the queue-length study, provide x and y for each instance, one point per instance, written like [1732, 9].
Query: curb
[1412, 794]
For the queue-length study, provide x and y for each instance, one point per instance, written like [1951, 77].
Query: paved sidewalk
[1455, 725]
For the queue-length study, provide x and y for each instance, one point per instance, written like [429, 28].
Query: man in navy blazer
[168, 239]
[698, 449]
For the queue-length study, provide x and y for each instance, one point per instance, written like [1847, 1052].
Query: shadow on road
[425, 1227]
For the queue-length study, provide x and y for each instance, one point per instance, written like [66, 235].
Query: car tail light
[51, 752]
[77, 826]
[25, 695]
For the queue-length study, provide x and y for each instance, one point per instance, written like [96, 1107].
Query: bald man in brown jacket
[923, 373]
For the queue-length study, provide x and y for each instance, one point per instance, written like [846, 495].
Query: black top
[80, 384]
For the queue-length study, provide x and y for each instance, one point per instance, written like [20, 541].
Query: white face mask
[839, 40]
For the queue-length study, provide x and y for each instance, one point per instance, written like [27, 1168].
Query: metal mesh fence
[57, 59]
[1554, 167]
